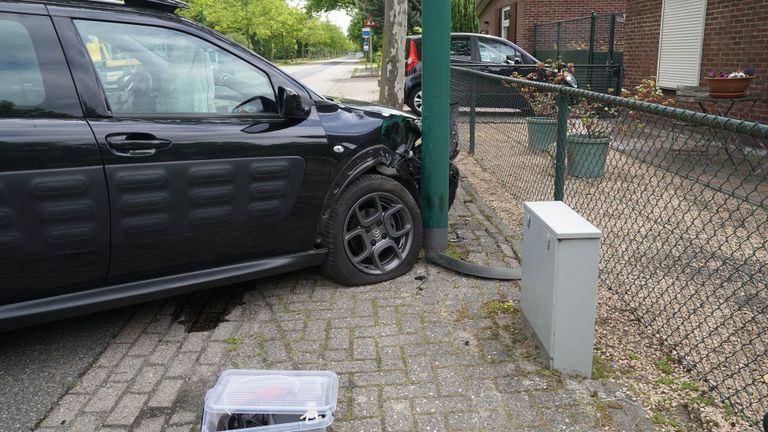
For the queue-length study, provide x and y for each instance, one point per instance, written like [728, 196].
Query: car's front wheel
[374, 232]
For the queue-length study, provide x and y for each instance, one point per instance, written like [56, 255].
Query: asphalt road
[321, 76]
[38, 364]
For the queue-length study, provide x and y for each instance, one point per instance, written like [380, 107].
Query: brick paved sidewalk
[428, 351]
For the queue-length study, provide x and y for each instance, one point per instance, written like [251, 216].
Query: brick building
[514, 19]
[680, 41]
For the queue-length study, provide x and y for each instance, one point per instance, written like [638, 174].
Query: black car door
[54, 227]
[201, 169]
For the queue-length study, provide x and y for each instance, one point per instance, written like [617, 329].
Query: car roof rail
[161, 5]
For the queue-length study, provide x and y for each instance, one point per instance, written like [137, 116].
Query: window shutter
[497, 27]
[682, 33]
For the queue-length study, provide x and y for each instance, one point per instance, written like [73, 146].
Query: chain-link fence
[594, 40]
[681, 198]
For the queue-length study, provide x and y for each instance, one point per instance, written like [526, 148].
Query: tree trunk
[391, 80]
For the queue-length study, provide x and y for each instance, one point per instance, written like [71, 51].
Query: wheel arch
[375, 160]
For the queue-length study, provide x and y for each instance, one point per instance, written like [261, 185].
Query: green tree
[271, 28]
[464, 16]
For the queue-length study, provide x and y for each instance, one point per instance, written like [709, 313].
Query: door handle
[136, 144]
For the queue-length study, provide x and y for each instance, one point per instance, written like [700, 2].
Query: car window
[461, 48]
[151, 70]
[34, 77]
[492, 51]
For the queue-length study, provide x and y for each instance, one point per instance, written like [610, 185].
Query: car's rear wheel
[374, 232]
[415, 100]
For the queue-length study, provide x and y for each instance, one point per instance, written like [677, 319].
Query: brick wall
[542, 11]
[735, 35]
[530, 12]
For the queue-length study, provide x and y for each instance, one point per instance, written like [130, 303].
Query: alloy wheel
[378, 233]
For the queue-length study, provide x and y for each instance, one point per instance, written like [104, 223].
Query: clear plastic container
[271, 401]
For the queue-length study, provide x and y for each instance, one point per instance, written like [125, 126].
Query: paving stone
[275, 350]
[391, 358]
[127, 369]
[165, 394]
[420, 369]
[151, 424]
[144, 345]
[159, 326]
[131, 331]
[113, 354]
[86, 423]
[146, 379]
[354, 366]
[65, 410]
[365, 402]
[397, 416]
[430, 423]
[367, 425]
[182, 428]
[374, 378]
[175, 333]
[214, 354]
[408, 391]
[521, 411]
[106, 397]
[183, 417]
[92, 380]
[164, 352]
[451, 381]
[352, 322]
[441, 405]
[224, 330]
[364, 348]
[182, 364]
[379, 330]
[126, 411]
[195, 342]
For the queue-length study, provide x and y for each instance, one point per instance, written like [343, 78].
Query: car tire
[374, 232]
[414, 100]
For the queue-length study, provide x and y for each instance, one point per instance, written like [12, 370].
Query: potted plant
[588, 139]
[729, 85]
[542, 126]
[590, 124]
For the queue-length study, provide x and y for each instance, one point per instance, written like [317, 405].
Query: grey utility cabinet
[560, 257]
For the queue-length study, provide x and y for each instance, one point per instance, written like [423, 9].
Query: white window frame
[665, 84]
[505, 22]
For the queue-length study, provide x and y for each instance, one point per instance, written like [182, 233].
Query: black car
[143, 155]
[480, 52]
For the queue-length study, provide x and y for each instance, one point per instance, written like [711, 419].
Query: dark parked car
[143, 155]
[481, 52]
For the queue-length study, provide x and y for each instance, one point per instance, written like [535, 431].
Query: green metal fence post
[611, 38]
[436, 123]
[559, 26]
[535, 39]
[562, 130]
[592, 29]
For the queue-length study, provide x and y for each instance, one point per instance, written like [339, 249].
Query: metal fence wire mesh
[681, 198]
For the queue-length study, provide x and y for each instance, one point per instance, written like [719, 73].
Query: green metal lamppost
[436, 88]
[436, 136]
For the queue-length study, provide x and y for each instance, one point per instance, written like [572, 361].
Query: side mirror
[511, 59]
[290, 104]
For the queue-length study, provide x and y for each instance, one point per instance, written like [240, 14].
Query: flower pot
[728, 87]
[586, 155]
[542, 132]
